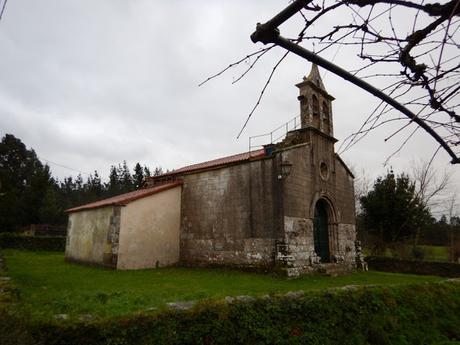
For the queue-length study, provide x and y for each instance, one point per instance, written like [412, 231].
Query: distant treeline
[29, 194]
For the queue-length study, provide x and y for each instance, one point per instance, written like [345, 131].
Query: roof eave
[125, 202]
[209, 168]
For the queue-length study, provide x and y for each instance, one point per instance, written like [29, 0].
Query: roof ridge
[125, 198]
[220, 158]
[213, 163]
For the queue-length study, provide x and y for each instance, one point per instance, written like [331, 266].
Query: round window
[324, 171]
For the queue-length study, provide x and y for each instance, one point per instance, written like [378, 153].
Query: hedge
[388, 264]
[410, 314]
[17, 241]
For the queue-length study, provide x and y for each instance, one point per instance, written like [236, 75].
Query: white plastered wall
[149, 231]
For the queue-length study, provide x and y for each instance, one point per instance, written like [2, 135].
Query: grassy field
[430, 253]
[48, 285]
[436, 253]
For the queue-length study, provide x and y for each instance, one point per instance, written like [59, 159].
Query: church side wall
[87, 235]
[230, 216]
[149, 231]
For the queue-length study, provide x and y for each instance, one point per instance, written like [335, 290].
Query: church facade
[289, 206]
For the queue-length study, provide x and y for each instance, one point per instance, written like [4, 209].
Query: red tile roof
[215, 163]
[124, 199]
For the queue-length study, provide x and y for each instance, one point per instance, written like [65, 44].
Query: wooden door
[321, 233]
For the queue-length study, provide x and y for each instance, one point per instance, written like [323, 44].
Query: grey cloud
[89, 84]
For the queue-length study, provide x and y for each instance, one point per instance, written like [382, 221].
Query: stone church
[286, 207]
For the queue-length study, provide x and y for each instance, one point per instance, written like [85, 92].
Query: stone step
[332, 269]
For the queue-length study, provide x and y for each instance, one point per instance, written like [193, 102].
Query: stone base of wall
[295, 255]
[346, 241]
[247, 253]
[331, 269]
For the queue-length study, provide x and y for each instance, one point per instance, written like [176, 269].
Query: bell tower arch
[315, 103]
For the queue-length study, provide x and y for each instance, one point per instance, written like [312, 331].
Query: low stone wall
[16, 241]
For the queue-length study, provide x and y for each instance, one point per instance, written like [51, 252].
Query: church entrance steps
[332, 269]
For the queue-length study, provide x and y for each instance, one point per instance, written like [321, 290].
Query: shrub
[418, 253]
[400, 250]
[386, 264]
[456, 251]
[16, 241]
[414, 314]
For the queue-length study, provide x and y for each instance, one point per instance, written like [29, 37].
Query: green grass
[48, 285]
[436, 253]
[431, 253]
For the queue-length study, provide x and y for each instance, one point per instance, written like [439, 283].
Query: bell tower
[315, 103]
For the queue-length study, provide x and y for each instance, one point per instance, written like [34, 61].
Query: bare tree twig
[262, 93]
[233, 64]
[3, 8]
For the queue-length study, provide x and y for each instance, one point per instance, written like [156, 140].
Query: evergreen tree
[29, 194]
[392, 211]
[138, 176]
[25, 182]
[443, 220]
[158, 171]
[79, 191]
[96, 185]
[35, 190]
[125, 178]
[50, 211]
[113, 187]
[93, 189]
[67, 193]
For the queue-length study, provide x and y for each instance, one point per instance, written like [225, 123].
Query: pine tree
[113, 186]
[50, 212]
[125, 178]
[138, 176]
[93, 188]
[158, 171]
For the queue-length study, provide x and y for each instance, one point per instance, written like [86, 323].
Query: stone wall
[346, 242]
[252, 214]
[231, 216]
[297, 253]
[316, 174]
[256, 214]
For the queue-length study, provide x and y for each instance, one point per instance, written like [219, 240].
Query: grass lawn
[431, 253]
[436, 253]
[48, 285]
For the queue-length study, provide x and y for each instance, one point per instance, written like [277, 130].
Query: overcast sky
[88, 84]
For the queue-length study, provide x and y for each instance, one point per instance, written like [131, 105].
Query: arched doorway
[321, 231]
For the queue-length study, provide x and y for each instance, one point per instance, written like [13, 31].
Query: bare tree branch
[420, 69]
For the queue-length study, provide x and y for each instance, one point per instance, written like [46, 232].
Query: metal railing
[258, 141]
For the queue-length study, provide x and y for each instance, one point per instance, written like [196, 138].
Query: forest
[30, 194]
